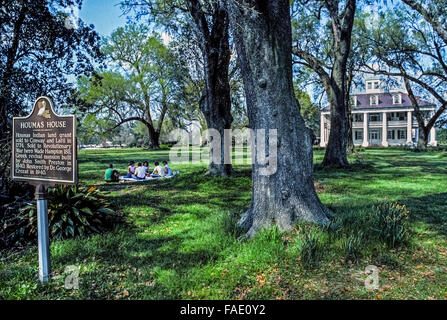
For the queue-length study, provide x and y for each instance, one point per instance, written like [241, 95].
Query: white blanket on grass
[124, 179]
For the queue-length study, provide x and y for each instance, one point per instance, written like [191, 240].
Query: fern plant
[72, 211]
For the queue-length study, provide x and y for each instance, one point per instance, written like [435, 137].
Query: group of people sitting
[139, 172]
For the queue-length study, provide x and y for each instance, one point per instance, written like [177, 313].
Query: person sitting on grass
[111, 175]
[131, 170]
[158, 172]
[140, 172]
[167, 169]
[146, 168]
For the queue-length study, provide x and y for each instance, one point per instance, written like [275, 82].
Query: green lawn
[178, 241]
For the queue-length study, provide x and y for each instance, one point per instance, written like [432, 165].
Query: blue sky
[105, 15]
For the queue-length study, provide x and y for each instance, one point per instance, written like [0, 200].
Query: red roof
[385, 101]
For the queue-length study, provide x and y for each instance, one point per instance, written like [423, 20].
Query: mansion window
[358, 117]
[358, 135]
[396, 116]
[391, 135]
[397, 98]
[374, 135]
[374, 100]
[401, 134]
[374, 117]
[372, 85]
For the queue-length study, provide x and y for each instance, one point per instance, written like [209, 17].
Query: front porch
[380, 129]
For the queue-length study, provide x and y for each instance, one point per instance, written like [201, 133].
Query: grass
[179, 240]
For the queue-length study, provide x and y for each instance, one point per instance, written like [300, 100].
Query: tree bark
[262, 33]
[215, 103]
[423, 138]
[336, 151]
[154, 138]
[348, 104]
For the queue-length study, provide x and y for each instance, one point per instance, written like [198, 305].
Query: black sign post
[44, 154]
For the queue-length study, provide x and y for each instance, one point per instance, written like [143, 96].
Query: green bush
[72, 211]
[390, 223]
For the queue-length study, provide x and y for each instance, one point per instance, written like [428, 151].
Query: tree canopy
[38, 55]
[142, 83]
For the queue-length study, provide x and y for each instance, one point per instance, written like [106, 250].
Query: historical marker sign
[44, 154]
[44, 146]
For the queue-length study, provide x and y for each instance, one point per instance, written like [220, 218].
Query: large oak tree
[142, 84]
[209, 22]
[402, 46]
[263, 38]
[314, 23]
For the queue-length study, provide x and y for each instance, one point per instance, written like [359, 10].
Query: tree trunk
[219, 122]
[154, 138]
[262, 33]
[348, 104]
[336, 150]
[424, 132]
[215, 103]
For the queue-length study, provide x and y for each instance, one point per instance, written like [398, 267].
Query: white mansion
[381, 118]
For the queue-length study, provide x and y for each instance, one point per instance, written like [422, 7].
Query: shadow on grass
[126, 253]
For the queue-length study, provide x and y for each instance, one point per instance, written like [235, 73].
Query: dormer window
[372, 86]
[397, 98]
[374, 100]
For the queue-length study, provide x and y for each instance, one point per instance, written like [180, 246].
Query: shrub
[72, 211]
[390, 223]
[310, 251]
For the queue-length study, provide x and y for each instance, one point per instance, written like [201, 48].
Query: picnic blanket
[123, 179]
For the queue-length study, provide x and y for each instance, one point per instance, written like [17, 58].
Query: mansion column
[409, 126]
[433, 141]
[322, 140]
[384, 130]
[365, 130]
